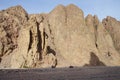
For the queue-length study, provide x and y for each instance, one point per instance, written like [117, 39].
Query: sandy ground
[86, 73]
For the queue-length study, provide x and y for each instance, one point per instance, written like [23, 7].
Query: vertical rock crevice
[31, 41]
[95, 24]
[39, 46]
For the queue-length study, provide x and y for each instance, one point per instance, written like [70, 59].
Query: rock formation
[61, 38]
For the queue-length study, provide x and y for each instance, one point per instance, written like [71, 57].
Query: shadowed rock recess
[61, 38]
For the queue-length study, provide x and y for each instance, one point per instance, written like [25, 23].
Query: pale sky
[101, 8]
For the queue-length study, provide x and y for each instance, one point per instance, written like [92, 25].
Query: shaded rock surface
[61, 38]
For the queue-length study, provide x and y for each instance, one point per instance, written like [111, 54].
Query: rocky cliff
[61, 38]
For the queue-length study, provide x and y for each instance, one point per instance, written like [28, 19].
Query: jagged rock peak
[75, 13]
[69, 13]
[109, 17]
[89, 15]
[19, 12]
[57, 11]
[17, 8]
[92, 19]
[74, 7]
[89, 19]
[70, 6]
[58, 8]
[60, 5]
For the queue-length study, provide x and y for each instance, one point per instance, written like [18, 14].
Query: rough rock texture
[113, 27]
[61, 38]
[11, 20]
[32, 48]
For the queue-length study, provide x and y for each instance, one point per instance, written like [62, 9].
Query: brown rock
[61, 38]
[102, 41]
[34, 52]
[70, 32]
[1, 49]
[11, 20]
[108, 53]
[49, 61]
[113, 27]
[18, 12]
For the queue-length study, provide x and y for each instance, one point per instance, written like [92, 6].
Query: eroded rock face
[103, 42]
[33, 50]
[113, 27]
[61, 38]
[109, 55]
[10, 24]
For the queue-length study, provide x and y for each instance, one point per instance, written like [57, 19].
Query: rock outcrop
[113, 27]
[61, 38]
[11, 21]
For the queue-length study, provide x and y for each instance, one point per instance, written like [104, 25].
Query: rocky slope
[61, 38]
